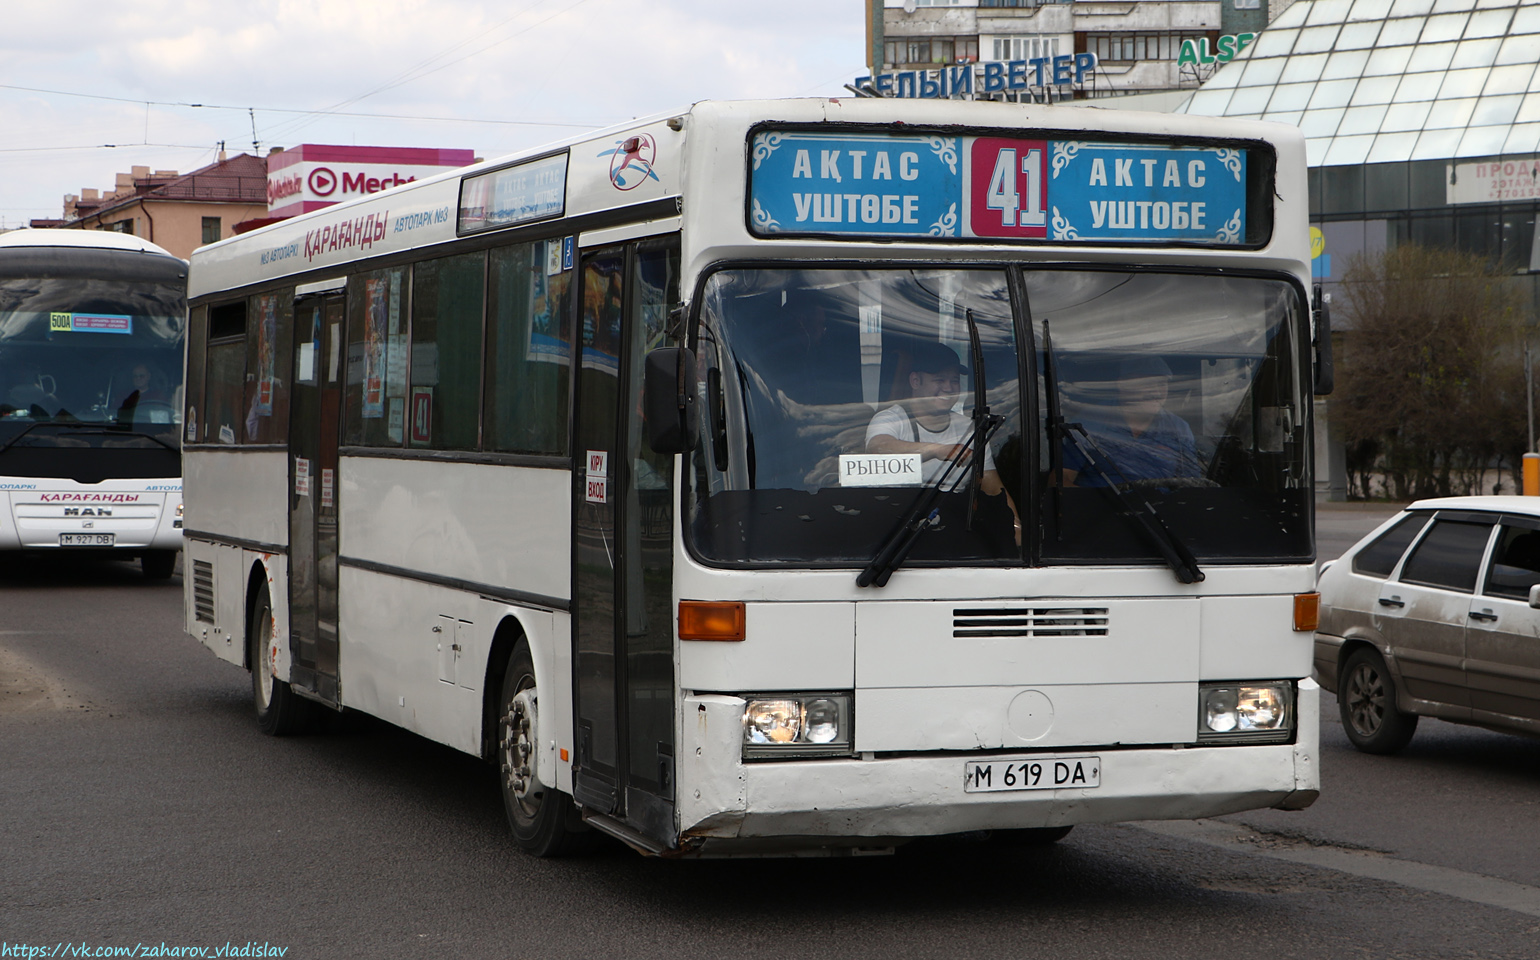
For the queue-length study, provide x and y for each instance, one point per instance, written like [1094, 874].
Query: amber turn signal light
[1307, 611]
[711, 620]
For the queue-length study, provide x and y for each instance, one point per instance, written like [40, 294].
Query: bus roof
[99, 239]
[428, 212]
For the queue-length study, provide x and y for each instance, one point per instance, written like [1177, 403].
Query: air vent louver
[973, 622]
[203, 591]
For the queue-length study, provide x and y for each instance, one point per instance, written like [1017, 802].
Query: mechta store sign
[311, 176]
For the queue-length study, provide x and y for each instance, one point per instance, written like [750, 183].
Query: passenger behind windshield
[927, 422]
[1131, 427]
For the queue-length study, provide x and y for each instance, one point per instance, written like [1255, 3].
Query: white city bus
[91, 339]
[643, 467]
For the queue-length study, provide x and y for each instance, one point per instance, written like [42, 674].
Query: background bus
[91, 341]
[731, 598]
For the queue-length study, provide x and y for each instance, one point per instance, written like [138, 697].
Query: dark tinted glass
[447, 297]
[1380, 557]
[1449, 556]
[1515, 563]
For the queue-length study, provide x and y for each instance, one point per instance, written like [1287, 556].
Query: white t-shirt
[895, 422]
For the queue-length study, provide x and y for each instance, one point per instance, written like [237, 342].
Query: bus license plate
[1032, 773]
[87, 539]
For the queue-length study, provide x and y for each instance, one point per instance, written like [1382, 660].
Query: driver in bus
[144, 386]
[928, 423]
[1137, 434]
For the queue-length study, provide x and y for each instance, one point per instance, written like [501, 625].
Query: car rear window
[1449, 556]
[1379, 557]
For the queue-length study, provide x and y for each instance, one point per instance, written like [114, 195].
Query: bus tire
[158, 564]
[1366, 699]
[1033, 836]
[543, 819]
[280, 711]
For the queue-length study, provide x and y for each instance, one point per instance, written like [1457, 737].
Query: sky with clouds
[494, 77]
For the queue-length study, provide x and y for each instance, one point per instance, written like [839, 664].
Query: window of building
[1247, 4]
[935, 50]
[445, 404]
[211, 229]
[1025, 48]
[1125, 47]
[122, 226]
[529, 349]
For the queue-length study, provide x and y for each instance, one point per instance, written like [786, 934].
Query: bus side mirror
[1325, 376]
[668, 400]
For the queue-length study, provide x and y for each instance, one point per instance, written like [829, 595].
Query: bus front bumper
[720, 797]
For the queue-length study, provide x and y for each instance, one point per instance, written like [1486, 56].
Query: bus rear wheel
[543, 819]
[158, 564]
[280, 711]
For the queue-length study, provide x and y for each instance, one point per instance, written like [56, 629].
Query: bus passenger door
[623, 630]
[315, 402]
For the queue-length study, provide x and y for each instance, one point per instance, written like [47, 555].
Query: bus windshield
[88, 349]
[837, 402]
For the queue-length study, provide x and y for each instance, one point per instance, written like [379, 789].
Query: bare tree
[1431, 384]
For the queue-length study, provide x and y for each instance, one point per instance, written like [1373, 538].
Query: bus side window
[197, 347]
[225, 373]
[529, 348]
[269, 349]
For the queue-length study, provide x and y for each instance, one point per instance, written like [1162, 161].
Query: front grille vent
[1030, 622]
[203, 591]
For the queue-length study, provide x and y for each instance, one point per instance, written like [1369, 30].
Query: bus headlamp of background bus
[1257, 712]
[796, 725]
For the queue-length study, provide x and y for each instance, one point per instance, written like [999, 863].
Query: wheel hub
[520, 740]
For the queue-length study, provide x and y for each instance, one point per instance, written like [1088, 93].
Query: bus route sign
[882, 185]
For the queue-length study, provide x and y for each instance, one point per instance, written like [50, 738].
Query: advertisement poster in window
[547, 292]
[267, 338]
[601, 315]
[374, 348]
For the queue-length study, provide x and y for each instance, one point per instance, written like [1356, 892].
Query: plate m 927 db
[87, 539]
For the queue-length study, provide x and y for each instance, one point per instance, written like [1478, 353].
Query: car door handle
[1482, 615]
[1392, 602]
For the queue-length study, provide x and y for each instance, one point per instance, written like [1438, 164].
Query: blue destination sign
[993, 76]
[535, 190]
[918, 186]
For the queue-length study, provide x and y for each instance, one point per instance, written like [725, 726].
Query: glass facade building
[1422, 120]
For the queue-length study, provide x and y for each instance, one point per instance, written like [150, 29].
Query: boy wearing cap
[926, 424]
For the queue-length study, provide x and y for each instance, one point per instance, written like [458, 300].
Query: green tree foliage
[1430, 387]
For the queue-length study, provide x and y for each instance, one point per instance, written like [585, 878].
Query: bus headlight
[1246, 712]
[797, 725]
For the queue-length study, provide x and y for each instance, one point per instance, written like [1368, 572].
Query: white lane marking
[1475, 887]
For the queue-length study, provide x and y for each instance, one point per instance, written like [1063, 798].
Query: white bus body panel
[242, 495]
[459, 520]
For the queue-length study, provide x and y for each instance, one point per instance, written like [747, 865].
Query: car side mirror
[1534, 596]
[668, 400]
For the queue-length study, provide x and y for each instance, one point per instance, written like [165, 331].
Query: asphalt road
[140, 805]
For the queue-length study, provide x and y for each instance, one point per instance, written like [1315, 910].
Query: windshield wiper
[1183, 564]
[922, 514]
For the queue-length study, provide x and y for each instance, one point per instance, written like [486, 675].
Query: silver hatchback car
[1436, 613]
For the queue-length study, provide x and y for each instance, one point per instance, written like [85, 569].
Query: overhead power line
[332, 113]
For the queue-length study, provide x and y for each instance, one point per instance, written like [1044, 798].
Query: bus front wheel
[280, 711]
[543, 819]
